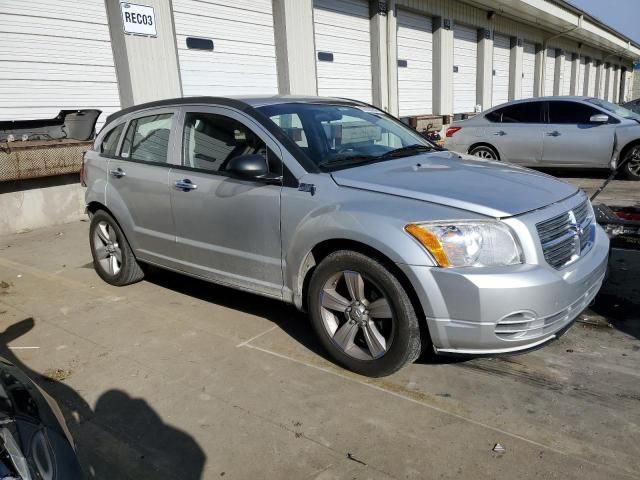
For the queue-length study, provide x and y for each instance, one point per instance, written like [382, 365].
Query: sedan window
[615, 109]
[573, 113]
[530, 112]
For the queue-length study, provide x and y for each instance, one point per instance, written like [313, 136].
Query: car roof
[240, 102]
[579, 98]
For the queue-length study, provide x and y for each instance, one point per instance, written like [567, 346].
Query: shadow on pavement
[123, 437]
[619, 298]
[294, 323]
[595, 173]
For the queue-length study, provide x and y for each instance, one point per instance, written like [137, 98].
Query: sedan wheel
[632, 164]
[484, 152]
[363, 315]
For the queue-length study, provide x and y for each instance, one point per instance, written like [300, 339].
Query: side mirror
[251, 167]
[599, 118]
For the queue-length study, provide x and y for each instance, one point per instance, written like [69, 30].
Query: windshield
[340, 136]
[615, 109]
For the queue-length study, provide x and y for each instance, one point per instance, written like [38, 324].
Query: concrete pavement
[176, 378]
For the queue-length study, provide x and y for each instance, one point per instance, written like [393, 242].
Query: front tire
[485, 152]
[362, 315]
[113, 259]
[631, 168]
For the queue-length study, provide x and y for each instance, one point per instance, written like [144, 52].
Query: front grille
[568, 236]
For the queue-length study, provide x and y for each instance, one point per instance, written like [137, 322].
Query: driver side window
[210, 141]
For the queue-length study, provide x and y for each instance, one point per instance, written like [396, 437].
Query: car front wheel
[362, 315]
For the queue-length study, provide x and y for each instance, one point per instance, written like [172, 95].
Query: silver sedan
[553, 132]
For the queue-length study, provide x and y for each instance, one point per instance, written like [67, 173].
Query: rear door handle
[500, 133]
[185, 185]
[117, 172]
[553, 134]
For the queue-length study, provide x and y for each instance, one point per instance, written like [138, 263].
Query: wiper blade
[346, 159]
[405, 151]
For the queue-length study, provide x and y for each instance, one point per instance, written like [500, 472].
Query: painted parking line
[433, 407]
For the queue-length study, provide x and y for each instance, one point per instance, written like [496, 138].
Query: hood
[489, 188]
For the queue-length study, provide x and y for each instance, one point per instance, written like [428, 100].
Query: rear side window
[570, 113]
[530, 112]
[110, 141]
[147, 139]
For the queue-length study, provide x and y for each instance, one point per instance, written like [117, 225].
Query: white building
[409, 57]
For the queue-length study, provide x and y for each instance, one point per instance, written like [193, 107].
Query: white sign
[138, 19]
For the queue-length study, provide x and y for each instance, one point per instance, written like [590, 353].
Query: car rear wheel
[113, 258]
[362, 315]
[631, 166]
[484, 151]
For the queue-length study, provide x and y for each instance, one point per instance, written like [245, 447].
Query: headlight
[468, 244]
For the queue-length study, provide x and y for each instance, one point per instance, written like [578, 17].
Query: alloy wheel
[634, 162]
[357, 315]
[107, 248]
[484, 153]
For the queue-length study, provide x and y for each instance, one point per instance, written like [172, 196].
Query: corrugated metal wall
[55, 54]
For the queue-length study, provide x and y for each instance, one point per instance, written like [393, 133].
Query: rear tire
[631, 168]
[362, 315]
[113, 259]
[485, 152]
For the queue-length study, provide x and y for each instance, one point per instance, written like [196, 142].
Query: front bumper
[505, 310]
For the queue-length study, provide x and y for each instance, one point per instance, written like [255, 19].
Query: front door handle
[500, 133]
[555, 133]
[185, 185]
[117, 173]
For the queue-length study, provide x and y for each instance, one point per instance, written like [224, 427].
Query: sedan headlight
[468, 244]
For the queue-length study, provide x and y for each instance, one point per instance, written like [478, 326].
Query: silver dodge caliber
[392, 245]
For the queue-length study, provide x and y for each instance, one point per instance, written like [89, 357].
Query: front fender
[341, 213]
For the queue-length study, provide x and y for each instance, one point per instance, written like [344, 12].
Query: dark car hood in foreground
[488, 188]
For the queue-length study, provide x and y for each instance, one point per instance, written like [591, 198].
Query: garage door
[549, 71]
[528, 69]
[343, 48]
[243, 59]
[51, 59]
[591, 82]
[415, 57]
[465, 67]
[501, 59]
[581, 76]
[565, 81]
